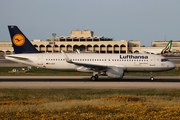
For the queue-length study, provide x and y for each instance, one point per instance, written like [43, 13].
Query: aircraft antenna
[165, 38]
[54, 35]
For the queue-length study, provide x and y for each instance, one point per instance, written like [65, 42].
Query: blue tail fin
[19, 41]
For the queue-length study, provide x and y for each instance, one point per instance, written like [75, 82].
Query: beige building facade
[85, 42]
[97, 46]
[82, 40]
[164, 43]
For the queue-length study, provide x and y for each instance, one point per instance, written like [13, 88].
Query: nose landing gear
[151, 77]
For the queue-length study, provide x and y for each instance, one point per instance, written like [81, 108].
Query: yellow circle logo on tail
[18, 39]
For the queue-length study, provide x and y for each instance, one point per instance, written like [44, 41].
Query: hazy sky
[144, 20]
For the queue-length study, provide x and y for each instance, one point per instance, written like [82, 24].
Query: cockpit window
[164, 60]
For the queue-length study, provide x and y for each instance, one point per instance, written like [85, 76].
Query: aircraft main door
[40, 60]
[152, 62]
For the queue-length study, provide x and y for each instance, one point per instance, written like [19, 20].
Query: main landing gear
[151, 77]
[95, 76]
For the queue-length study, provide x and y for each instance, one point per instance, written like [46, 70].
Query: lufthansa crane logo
[18, 39]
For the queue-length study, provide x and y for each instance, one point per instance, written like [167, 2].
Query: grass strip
[80, 104]
[83, 94]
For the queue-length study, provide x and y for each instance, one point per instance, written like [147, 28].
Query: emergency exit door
[152, 61]
[40, 60]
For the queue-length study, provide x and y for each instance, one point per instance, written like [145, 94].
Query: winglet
[66, 57]
[77, 51]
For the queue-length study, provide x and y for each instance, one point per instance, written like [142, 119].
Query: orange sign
[18, 40]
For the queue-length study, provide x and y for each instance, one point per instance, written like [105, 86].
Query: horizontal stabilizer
[18, 58]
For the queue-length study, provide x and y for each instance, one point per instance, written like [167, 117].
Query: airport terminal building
[85, 42]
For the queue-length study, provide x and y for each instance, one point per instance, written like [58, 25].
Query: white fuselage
[128, 62]
[150, 51]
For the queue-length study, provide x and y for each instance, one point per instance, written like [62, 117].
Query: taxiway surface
[128, 82]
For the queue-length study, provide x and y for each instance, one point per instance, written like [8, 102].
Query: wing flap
[95, 67]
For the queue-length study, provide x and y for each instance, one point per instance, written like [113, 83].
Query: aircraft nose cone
[172, 65]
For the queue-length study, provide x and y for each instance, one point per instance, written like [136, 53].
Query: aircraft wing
[175, 51]
[92, 66]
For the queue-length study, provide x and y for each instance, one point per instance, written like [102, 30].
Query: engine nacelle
[115, 72]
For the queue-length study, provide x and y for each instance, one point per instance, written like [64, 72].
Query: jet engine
[115, 72]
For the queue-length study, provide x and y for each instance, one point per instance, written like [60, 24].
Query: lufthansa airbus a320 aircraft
[112, 65]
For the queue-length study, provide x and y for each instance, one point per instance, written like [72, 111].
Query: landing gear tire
[93, 78]
[152, 78]
[96, 76]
